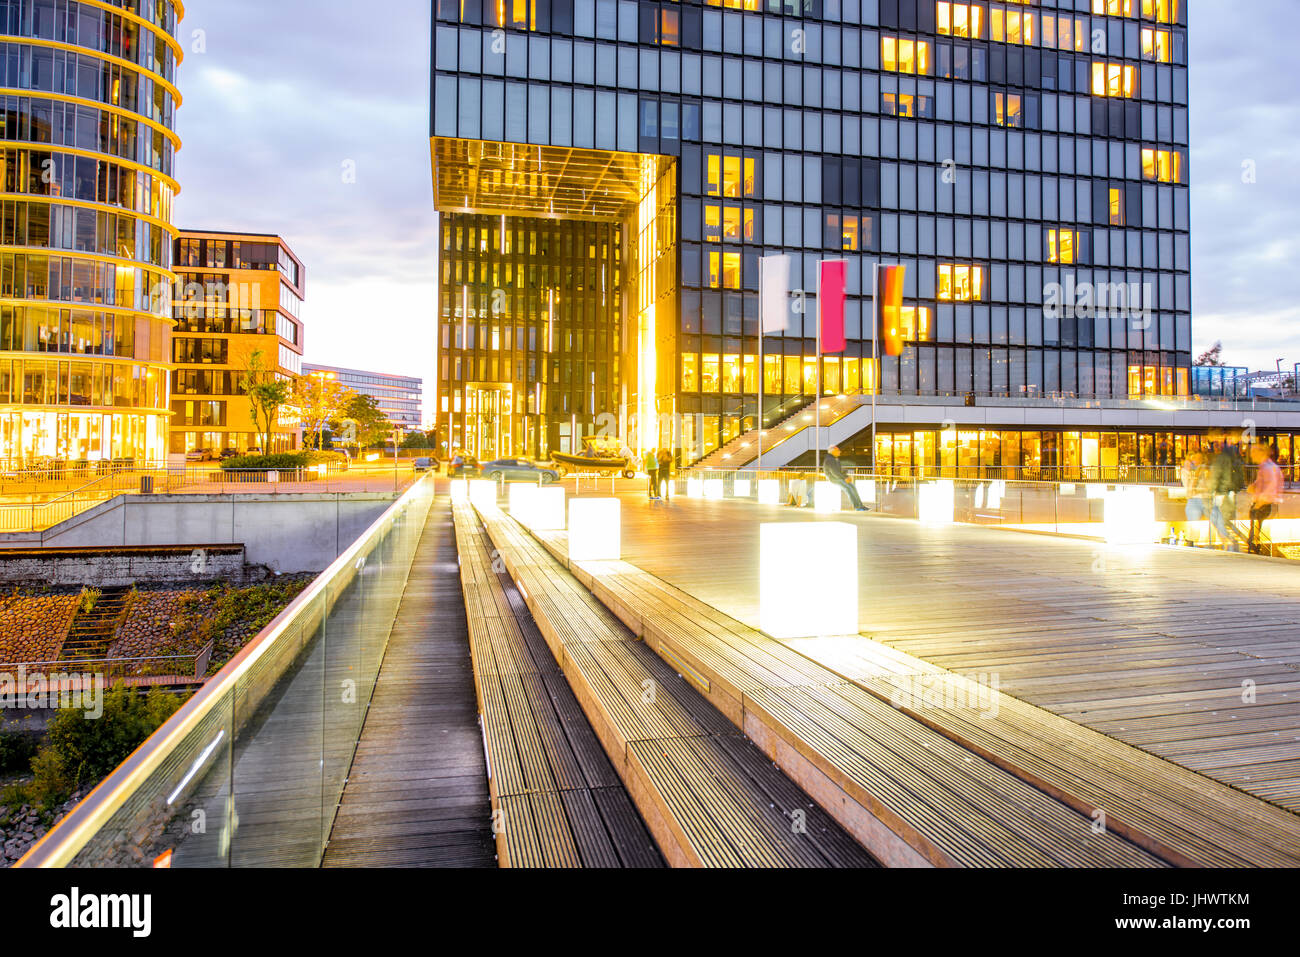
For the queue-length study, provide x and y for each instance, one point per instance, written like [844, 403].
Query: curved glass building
[88, 100]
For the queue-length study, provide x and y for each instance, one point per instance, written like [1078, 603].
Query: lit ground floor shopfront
[43, 438]
[1054, 455]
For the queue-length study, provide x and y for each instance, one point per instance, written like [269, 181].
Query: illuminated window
[669, 31]
[1061, 245]
[1116, 206]
[728, 224]
[724, 270]
[905, 56]
[1114, 8]
[709, 372]
[734, 4]
[959, 19]
[1009, 25]
[961, 283]
[1064, 33]
[1112, 79]
[713, 224]
[914, 321]
[1161, 11]
[850, 233]
[690, 372]
[1163, 166]
[729, 176]
[1155, 45]
[1006, 109]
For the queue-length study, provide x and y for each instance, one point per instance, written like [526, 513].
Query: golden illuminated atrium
[557, 295]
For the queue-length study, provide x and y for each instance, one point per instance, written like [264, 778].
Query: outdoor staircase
[743, 449]
[92, 631]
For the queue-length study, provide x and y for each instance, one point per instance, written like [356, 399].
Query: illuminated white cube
[808, 579]
[483, 493]
[459, 491]
[866, 490]
[741, 488]
[1129, 516]
[521, 500]
[546, 509]
[695, 488]
[1094, 490]
[769, 492]
[826, 497]
[713, 488]
[594, 525]
[979, 495]
[935, 502]
[994, 497]
[1067, 488]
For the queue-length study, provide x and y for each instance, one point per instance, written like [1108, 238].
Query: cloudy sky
[309, 119]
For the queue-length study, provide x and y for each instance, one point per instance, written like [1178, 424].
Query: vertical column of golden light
[647, 295]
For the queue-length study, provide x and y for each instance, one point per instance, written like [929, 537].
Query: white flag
[774, 293]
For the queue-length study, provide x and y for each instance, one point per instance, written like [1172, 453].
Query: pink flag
[833, 274]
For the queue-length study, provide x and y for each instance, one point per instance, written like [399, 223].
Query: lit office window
[1163, 166]
[1061, 245]
[1113, 79]
[1162, 11]
[729, 176]
[1006, 109]
[1116, 206]
[1064, 32]
[905, 56]
[1155, 45]
[724, 270]
[961, 283]
[959, 19]
[1009, 25]
[914, 323]
[1114, 8]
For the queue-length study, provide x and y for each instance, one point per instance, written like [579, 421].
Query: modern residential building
[238, 308]
[399, 397]
[87, 108]
[608, 175]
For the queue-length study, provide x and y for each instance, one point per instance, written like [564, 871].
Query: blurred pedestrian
[1266, 491]
[650, 462]
[1227, 478]
[835, 475]
[1196, 483]
[665, 474]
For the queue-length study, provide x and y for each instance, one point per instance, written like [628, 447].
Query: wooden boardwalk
[708, 795]
[556, 798]
[1189, 655]
[417, 793]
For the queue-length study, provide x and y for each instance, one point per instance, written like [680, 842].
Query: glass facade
[87, 108]
[236, 294]
[1026, 162]
[399, 397]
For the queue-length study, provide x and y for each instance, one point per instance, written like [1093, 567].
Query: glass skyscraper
[87, 113]
[1027, 163]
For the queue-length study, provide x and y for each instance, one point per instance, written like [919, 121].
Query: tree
[419, 440]
[373, 427]
[317, 401]
[1212, 356]
[266, 392]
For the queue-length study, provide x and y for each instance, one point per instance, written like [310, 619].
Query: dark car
[229, 453]
[467, 466]
[424, 463]
[518, 470]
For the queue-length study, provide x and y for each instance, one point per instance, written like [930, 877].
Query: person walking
[650, 462]
[1227, 478]
[1195, 476]
[1267, 492]
[834, 471]
[665, 474]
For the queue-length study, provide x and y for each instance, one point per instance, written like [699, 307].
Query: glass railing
[249, 771]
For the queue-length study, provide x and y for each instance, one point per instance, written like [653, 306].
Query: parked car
[196, 455]
[228, 453]
[468, 467]
[519, 470]
[423, 464]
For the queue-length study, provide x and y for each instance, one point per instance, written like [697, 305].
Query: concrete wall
[287, 532]
[121, 566]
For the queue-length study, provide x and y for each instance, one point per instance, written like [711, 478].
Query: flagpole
[762, 289]
[817, 398]
[875, 368]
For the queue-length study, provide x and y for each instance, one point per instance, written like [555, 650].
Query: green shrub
[89, 599]
[327, 457]
[277, 460]
[16, 751]
[80, 751]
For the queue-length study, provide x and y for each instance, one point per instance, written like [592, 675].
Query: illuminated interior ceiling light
[816, 595]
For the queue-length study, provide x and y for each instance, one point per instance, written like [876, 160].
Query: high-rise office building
[87, 112]
[609, 173]
[238, 307]
[399, 397]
